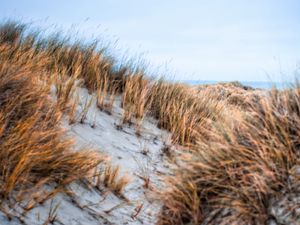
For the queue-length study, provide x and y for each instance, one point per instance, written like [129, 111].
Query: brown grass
[179, 110]
[32, 143]
[136, 99]
[111, 179]
[238, 166]
[242, 148]
[174, 105]
[177, 107]
[34, 149]
[234, 93]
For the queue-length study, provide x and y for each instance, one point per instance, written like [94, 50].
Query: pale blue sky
[208, 40]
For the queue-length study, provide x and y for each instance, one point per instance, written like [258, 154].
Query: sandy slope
[137, 156]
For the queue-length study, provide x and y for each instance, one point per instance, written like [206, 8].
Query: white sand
[137, 157]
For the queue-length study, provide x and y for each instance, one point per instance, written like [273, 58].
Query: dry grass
[111, 179]
[174, 105]
[32, 145]
[238, 166]
[234, 93]
[106, 93]
[52, 215]
[136, 99]
[37, 82]
[87, 104]
[179, 110]
[86, 61]
[243, 147]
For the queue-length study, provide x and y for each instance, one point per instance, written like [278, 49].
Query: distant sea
[254, 84]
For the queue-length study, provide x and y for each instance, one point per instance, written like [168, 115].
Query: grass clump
[112, 179]
[179, 110]
[136, 99]
[239, 166]
[31, 139]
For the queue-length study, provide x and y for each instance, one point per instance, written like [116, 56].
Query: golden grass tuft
[110, 178]
[238, 166]
[179, 110]
[136, 99]
[32, 143]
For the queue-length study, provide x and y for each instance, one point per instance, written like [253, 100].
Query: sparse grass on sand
[242, 145]
[33, 149]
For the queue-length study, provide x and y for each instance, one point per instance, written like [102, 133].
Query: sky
[225, 40]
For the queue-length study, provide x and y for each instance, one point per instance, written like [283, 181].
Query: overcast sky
[208, 40]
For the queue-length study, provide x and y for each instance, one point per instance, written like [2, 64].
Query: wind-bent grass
[174, 105]
[179, 110]
[32, 147]
[238, 166]
[238, 159]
